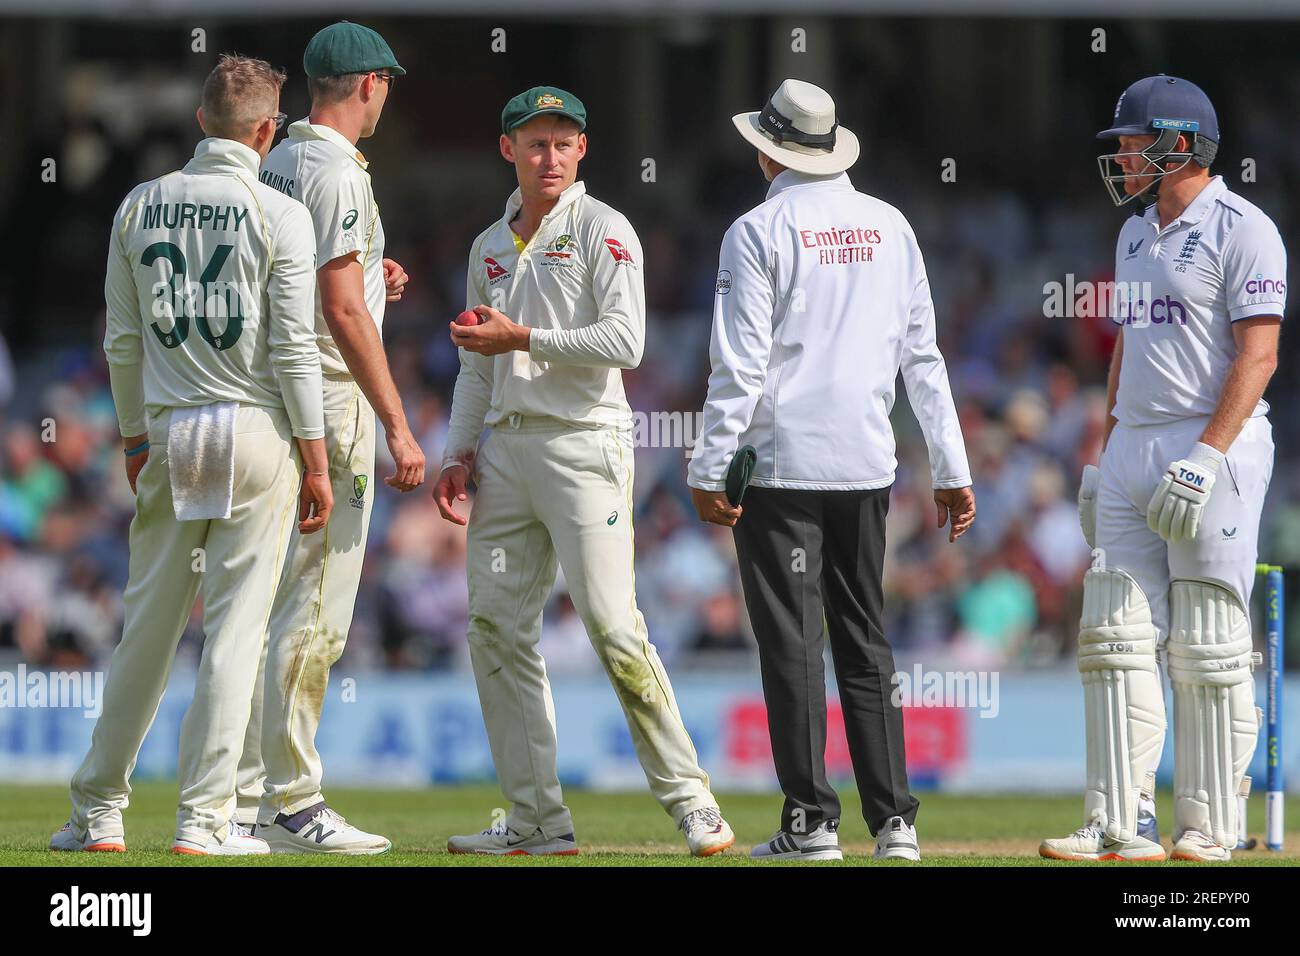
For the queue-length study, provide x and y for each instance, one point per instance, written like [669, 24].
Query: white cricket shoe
[1090, 842]
[238, 842]
[1196, 846]
[325, 832]
[897, 841]
[66, 838]
[822, 844]
[500, 840]
[706, 832]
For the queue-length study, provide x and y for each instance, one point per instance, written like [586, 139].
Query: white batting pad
[1124, 708]
[1216, 723]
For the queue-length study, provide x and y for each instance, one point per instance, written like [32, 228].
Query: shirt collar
[1204, 200]
[1196, 209]
[306, 129]
[789, 178]
[567, 198]
[215, 154]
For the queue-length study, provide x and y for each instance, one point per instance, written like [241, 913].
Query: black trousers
[807, 557]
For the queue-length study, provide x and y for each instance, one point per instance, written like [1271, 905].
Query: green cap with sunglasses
[347, 47]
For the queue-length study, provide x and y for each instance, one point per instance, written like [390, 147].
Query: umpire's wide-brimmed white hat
[797, 128]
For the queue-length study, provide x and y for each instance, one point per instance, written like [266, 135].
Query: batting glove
[1088, 503]
[1175, 509]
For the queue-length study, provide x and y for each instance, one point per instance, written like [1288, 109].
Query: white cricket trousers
[280, 771]
[236, 562]
[549, 491]
[1225, 547]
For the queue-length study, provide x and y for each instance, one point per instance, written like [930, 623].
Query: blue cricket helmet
[1163, 102]
[1165, 107]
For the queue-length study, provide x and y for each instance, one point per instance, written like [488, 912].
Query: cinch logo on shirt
[1136, 312]
[495, 270]
[1259, 285]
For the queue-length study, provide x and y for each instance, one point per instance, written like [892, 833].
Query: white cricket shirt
[317, 165]
[578, 285]
[209, 294]
[1177, 292]
[822, 298]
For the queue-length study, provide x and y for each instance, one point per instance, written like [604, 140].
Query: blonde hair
[239, 93]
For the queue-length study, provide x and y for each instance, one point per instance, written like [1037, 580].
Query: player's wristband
[1207, 456]
[138, 449]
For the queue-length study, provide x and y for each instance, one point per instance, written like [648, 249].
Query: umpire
[821, 300]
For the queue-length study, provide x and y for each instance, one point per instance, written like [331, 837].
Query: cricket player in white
[351, 71]
[555, 480]
[1173, 512]
[215, 375]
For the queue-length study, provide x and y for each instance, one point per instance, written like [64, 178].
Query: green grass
[614, 829]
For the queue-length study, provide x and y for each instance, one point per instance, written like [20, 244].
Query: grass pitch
[614, 829]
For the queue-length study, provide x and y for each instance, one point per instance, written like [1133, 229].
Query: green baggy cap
[346, 47]
[539, 100]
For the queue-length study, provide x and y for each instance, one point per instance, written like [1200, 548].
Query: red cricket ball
[467, 318]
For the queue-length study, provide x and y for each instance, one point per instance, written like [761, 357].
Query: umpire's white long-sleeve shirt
[821, 300]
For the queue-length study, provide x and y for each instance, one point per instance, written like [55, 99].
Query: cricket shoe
[1090, 842]
[1196, 846]
[501, 840]
[897, 841]
[822, 844]
[237, 842]
[706, 832]
[318, 829]
[246, 818]
[66, 839]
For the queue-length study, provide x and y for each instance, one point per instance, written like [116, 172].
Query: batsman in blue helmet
[1160, 122]
[1172, 510]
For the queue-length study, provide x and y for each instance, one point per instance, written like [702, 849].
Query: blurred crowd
[1032, 402]
[1029, 387]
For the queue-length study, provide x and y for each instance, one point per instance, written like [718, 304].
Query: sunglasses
[279, 119]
